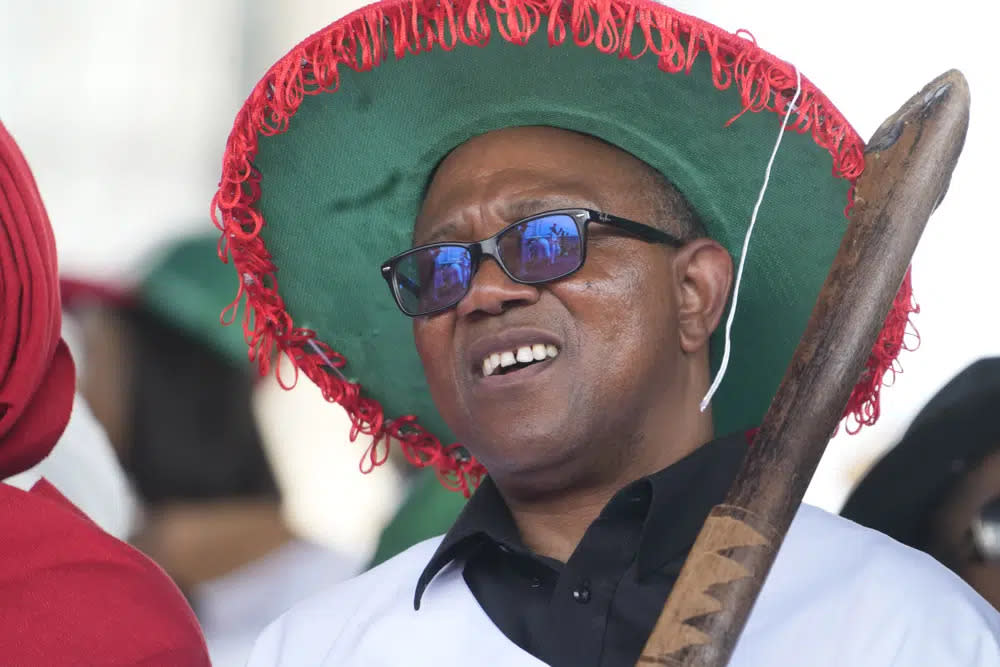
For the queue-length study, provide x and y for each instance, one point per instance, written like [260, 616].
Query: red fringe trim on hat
[364, 39]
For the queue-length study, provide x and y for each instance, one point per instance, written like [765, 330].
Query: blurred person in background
[938, 490]
[85, 469]
[70, 593]
[173, 388]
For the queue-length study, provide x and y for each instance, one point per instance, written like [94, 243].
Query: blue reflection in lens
[433, 278]
[452, 269]
[445, 274]
[542, 249]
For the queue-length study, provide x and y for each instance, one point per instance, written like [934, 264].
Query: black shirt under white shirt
[600, 606]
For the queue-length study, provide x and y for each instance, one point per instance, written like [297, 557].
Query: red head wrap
[70, 594]
[36, 370]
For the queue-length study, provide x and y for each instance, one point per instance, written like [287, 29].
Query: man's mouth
[503, 362]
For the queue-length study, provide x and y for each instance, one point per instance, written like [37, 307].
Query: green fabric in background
[187, 286]
[429, 510]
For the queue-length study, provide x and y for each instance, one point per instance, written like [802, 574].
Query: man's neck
[554, 528]
[553, 524]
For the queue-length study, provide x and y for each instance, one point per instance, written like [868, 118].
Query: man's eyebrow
[447, 229]
[525, 208]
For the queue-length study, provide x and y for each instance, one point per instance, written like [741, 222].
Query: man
[938, 490]
[576, 384]
[70, 594]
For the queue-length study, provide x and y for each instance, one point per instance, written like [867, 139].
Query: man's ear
[703, 275]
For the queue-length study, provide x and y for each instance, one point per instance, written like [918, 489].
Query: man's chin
[537, 464]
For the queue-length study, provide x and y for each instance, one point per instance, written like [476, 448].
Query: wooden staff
[908, 164]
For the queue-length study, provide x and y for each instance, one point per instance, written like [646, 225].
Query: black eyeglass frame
[489, 248]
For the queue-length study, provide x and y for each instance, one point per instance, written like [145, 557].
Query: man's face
[613, 324]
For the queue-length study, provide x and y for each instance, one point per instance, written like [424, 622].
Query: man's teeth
[524, 355]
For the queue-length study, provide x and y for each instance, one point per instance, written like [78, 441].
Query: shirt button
[582, 593]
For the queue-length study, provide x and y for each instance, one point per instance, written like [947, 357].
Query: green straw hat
[328, 159]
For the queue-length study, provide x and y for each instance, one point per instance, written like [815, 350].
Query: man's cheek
[428, 344]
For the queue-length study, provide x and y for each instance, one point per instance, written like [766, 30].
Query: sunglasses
[545, 247]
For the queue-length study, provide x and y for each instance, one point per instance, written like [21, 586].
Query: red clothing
[70, 594]
[36, 371]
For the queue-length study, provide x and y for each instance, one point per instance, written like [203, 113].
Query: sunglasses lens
[432, 278]
[542, 249]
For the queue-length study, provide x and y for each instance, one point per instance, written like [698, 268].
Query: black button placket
[582, 598]
[530, 597]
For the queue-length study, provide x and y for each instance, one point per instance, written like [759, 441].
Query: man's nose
[492, 292]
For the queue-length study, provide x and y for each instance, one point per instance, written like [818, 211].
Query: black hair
[671, 210]
[192, 434]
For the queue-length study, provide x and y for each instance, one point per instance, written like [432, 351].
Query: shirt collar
[676, 501]
[484, 517]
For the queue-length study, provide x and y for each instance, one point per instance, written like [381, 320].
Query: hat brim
[318, 189]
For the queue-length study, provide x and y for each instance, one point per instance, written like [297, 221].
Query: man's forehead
[541, 139]
[553, 166]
